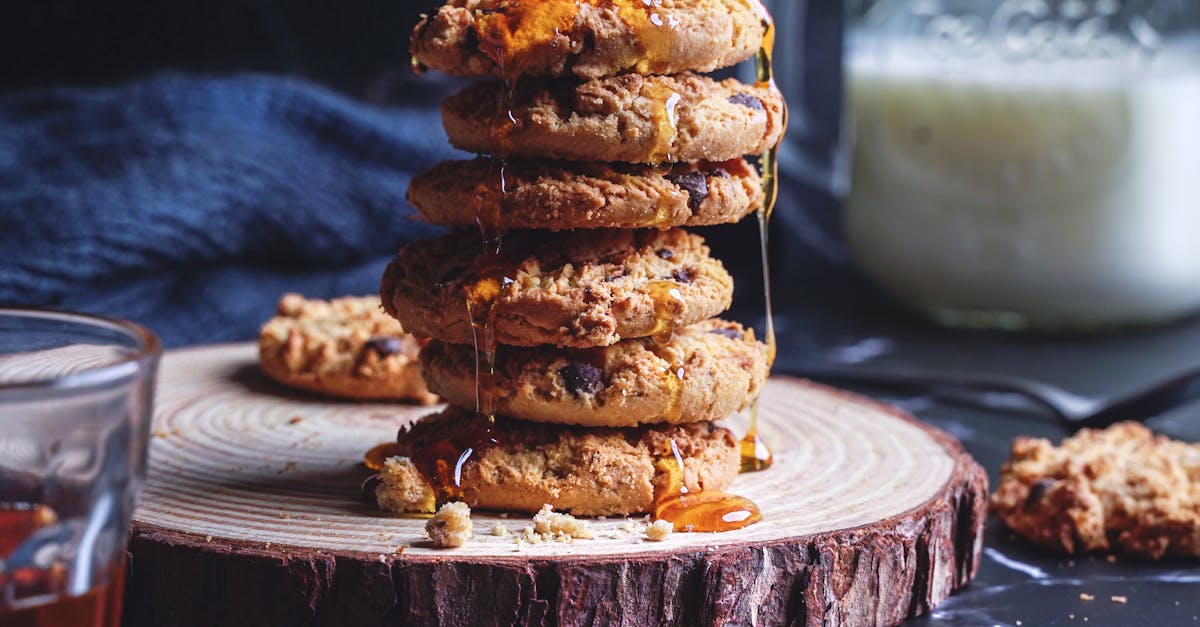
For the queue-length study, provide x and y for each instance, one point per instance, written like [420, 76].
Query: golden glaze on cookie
[705, 372]
[628, 118]
[586, 38]
[594, 472]
[577, 289]
[563, 196]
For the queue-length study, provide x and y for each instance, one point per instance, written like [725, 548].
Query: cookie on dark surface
[346, 347]
[587, 38]
[705, 372]
[1121, 489]
[628, 118]
[593, 472]
[576, 289]
[561, 196]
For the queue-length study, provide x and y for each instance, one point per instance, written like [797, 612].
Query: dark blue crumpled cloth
[190, 204]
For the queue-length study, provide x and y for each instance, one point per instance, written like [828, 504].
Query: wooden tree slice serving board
[251, 515]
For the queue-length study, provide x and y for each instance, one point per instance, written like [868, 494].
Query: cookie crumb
[402, 489]
[659, 530]
[1119, 599]
[399, 550]
[382, 558]
[1083, 596]
[549, 522]
[1111, 559]
[295, 420]
[450, 527]
[208, 538]
[498, 529]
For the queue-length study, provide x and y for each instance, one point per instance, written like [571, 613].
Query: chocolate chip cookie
[705, 372]
[587, 38]
[346, 347]
[575, 289]
[1120, 489]
[594, 472]
[629, 118]
[560, 196]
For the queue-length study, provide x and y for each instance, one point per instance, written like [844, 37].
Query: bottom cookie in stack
[598, 433]
[517, 465]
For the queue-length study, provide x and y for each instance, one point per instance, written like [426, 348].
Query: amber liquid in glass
[35, 596]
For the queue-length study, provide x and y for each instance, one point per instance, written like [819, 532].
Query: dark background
[359, 49]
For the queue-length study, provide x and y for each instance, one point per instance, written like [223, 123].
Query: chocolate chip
[369, 485]
[684, 275]
[694, 183]
[746, 100]
[732, 334]
[1038, 491]
[386, 345]
[721, 172]
[664, 253]
[614, 276]
[581, 378]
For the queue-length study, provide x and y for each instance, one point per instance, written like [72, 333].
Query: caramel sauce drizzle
[521, 35]
[669, 307]
[378, 454]
[441, 463]
[702, 510]
[755, 453]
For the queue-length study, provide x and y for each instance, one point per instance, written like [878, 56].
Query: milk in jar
[1047, 195]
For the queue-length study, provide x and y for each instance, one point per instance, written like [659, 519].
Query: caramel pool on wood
[702, 510]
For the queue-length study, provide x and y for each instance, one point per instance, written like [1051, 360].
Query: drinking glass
[75, 402]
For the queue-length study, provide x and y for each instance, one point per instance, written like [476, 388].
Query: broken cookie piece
[450, 527]
[1120, 489]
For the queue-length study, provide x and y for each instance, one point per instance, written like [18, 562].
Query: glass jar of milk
[1027, 163]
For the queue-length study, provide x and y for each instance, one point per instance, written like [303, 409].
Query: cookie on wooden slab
[628, 118]
[592, 472]
[561, 196]
[576, 289]
[587, 38]
[346, 347]
[1120, 489]
[704, 372]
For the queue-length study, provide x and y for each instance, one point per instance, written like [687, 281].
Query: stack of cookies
[572, 320]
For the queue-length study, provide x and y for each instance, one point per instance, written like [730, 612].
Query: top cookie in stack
[554, 302]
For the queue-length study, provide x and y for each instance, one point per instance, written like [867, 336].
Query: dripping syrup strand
[702, 510]
[755, 453]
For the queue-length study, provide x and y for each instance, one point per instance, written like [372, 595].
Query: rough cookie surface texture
[345, 347]
[705, 372]
[451, 526]
[576, 289]
[1121, 489]
[542, 195]
[628, 118]
[591, 472]
[587, 38]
